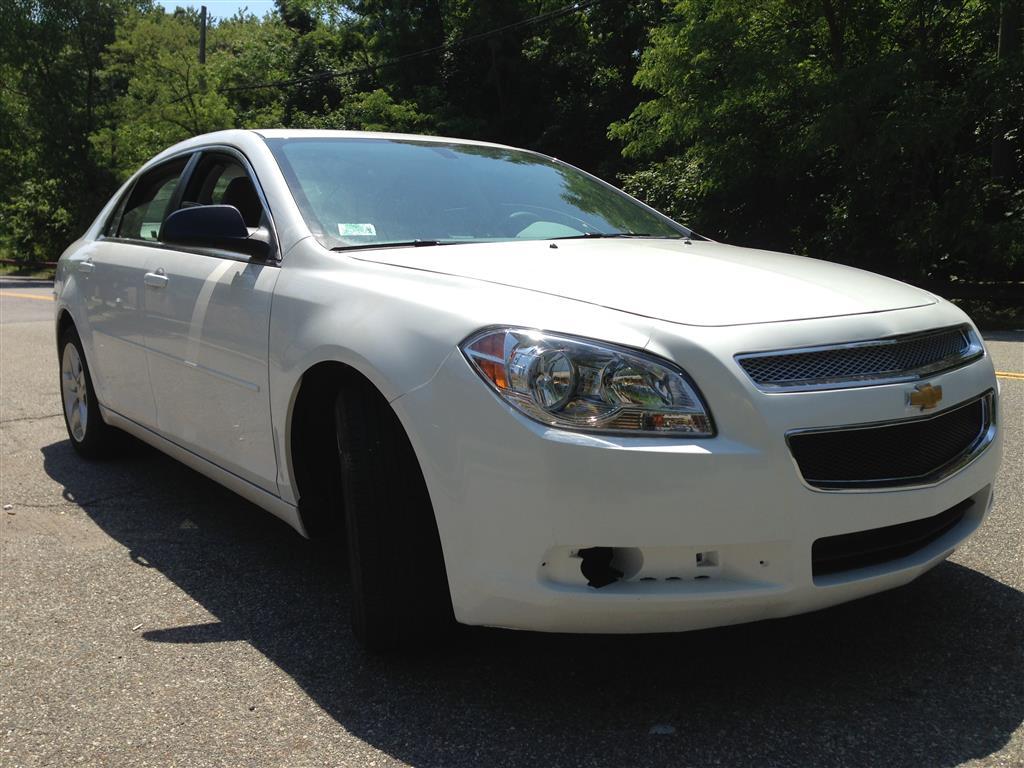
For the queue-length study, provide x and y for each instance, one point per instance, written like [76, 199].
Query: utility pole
[202, 34]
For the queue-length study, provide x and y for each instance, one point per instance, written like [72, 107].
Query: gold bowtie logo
[924, 396]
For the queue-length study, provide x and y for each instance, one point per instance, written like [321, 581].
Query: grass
[992, 315]
[18, 270]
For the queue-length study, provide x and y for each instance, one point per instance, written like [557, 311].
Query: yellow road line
[1010, 375]
[35, 296]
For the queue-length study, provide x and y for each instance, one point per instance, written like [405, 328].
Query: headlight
[587, 385]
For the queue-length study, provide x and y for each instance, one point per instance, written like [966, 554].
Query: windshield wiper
[602, 235]
[397, 244]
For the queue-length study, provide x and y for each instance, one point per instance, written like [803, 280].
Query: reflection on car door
[114, 296]
[207, 326]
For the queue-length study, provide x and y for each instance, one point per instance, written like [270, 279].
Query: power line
[332, 74]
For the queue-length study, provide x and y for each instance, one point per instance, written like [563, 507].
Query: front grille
[898, 358]
[892, 454]
[880, 545]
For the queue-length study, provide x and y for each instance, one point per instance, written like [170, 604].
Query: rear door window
[150, 200]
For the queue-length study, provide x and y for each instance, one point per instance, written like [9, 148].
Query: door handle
[86, 267]
[156, 279]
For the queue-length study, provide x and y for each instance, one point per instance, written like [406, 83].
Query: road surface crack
[99, 500]
[29, 418]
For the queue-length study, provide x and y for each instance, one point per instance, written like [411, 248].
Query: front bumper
[708, 532]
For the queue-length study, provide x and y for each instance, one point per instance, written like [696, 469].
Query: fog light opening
[597, 566]
[602, 566]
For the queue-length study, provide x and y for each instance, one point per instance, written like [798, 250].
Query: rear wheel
[400, 597]
[89, 434]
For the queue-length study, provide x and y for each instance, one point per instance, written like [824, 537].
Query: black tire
[90, 436]
[400, 596]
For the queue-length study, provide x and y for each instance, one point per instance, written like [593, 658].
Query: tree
[1009, 55]
[368, 111]
[489, 72]
[883, 133]
[165, 95]
[244, 49]
[50, 56]
[843, 129]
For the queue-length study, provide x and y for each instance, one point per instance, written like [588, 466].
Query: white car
[528, 400]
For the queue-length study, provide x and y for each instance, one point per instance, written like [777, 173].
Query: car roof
[310, 133]
[241, 136]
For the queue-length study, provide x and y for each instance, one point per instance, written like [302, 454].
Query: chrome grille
[858, 364]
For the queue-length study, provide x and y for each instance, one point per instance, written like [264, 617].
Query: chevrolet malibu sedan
[519, 397]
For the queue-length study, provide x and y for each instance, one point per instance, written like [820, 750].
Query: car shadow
[929, 675]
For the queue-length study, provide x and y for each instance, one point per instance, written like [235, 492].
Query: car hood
[698, 283]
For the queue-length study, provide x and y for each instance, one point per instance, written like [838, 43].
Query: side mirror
[215, 226]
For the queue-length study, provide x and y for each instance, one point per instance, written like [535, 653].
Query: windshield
[375, 192]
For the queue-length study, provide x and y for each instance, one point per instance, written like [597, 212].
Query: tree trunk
[835, 19]
[1008, 54]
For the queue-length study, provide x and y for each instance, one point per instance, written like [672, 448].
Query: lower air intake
[850, 551]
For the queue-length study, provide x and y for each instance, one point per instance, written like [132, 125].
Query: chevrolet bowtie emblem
[924, 396]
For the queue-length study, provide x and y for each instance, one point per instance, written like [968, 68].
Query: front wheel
[90, 436]
[400, 597]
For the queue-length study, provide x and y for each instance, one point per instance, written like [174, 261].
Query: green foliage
[165, 94]
[242, 49]
[856, 131]
[50, 57]
[368, 111]
[553, 86]
[35, 222]
[883, 133]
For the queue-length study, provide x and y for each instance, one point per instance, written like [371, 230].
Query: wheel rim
[76, 392]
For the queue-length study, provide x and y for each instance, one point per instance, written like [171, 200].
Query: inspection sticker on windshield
[357, 230]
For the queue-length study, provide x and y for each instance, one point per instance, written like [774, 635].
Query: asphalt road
[150, 618]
